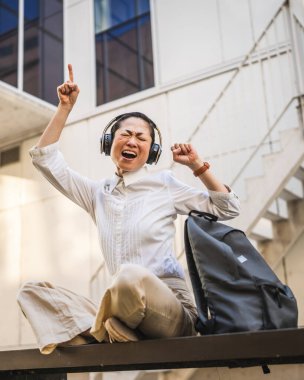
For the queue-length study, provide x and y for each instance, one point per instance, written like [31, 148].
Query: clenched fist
[185, 154]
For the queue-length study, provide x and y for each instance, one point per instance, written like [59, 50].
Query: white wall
[195, 35]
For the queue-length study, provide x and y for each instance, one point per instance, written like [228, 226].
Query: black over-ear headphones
[106, 139]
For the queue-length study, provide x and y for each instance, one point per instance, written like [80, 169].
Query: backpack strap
[203, 324]
[206, 215]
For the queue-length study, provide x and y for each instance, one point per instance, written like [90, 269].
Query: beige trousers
[155, 307]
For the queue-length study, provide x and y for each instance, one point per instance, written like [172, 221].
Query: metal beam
[225, 350]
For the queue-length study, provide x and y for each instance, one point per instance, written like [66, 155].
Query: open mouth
[128, 154]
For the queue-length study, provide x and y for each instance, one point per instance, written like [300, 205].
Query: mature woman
[134, 212]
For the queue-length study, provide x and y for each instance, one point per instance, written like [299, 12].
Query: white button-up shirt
[135, 214]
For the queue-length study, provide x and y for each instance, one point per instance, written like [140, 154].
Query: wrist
[196, 164]
[67, 108]
[202, 169]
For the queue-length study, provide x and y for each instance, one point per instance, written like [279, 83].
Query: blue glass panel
[43, 48]
[13, 4]
[8, 16]
[31, 9]
[109, 13]
[124, 61]
[143, 6]
[123, 29]
[8, 41]
[122, 10]
[7, 21]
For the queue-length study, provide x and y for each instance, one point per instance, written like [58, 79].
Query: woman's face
[131, 144]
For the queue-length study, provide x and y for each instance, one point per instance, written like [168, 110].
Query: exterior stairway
[273, 212]
[262, 191]
[286, 233]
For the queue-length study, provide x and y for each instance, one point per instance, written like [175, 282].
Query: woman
[134, 213]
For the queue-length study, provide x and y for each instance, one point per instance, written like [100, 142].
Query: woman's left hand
[185, 154]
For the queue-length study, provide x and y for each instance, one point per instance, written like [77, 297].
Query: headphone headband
[106, 138]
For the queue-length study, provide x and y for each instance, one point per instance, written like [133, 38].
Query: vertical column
[79, 50]
[20, 45]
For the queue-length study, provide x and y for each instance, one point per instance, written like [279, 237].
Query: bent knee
[130, 275]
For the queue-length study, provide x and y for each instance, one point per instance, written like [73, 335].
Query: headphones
[106, 139]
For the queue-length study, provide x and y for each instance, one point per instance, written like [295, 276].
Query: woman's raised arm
[67, 94]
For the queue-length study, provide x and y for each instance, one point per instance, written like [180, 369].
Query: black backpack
[234, 288]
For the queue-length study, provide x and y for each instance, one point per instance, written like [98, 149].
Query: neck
[119, 171]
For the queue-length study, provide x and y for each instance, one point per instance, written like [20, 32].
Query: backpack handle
[206, 215]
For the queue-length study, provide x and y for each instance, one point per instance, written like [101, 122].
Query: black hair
[139, 115]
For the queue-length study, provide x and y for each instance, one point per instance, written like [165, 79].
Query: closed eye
[138, 137]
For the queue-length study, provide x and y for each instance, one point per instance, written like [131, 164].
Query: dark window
[9, 156]
[9, 41]
[43, 48]
[124, 61]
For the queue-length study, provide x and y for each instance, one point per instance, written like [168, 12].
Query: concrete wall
[198, 34]
[295, 273]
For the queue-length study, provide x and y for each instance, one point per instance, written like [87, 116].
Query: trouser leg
[55, 314]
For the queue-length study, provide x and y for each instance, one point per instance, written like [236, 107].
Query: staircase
[273, 212]
[266, 195]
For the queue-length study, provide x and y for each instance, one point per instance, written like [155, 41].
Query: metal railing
[246, 60]
[265, 139]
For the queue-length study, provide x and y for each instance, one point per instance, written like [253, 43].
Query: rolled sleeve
[227, 204]
[36, 152]
[185, 198]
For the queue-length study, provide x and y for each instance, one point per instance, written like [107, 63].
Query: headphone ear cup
[154, 154]
[106, 144]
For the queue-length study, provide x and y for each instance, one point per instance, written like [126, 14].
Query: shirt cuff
[220, 195]
[38, 152]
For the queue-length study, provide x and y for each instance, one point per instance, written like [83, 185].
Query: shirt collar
[130, 177]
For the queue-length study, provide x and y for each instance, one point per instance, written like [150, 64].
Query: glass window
[43, 48]
[9, 41]
[124, 62]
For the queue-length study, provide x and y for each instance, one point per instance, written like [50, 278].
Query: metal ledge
[225, 350]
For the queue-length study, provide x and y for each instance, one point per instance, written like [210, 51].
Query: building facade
[225, 75]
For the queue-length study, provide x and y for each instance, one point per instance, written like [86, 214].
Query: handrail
[237, 71]
[97, 271]
[242, 169]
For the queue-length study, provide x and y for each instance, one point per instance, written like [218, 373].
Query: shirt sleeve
[185, 198]
[51, 163]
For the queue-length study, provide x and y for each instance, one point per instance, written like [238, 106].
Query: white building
[226, 75]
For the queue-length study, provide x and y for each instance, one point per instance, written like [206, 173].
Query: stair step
[293, 190]
[262, 230]
[277, 211]
[254, 243]
[260, 190]
[300, 172]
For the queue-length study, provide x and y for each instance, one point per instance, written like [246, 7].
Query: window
[9, 156]
[9, 41]
[43, 48]
[124, 62]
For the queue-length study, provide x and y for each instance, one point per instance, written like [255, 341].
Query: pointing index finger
[71, 75]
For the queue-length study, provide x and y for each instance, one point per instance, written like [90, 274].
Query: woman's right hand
[68, 91]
